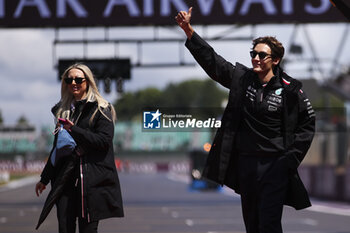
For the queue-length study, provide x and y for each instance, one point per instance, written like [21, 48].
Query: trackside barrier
[4, 177]
[325, 182]
[29, 166]
[152, 167]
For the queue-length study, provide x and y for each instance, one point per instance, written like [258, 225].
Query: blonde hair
[92, 95]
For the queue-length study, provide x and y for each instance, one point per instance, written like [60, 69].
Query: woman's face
[79, 90]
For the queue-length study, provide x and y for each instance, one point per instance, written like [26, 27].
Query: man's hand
[183, 19]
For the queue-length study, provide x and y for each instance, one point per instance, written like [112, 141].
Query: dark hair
[277, 49]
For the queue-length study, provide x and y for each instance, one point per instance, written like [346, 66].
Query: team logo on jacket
[151, 120]
[279, 91]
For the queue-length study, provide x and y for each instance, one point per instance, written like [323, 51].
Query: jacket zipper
[81, 176]
[87, 206]
[82, 180]
[82, 188]
[260, 94]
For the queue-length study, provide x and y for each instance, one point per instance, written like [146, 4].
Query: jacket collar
[89, 102]
[287, 82]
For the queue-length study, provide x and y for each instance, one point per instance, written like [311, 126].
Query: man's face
[262, 62]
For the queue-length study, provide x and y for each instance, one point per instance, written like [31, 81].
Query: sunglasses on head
[77, 80]
[261, 55]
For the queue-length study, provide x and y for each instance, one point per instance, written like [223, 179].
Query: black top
[76, 109]
[260, 131]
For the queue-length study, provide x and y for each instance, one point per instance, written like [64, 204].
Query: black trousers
[263, 184]
[68, 208]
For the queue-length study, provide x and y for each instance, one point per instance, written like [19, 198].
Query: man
[267, 128]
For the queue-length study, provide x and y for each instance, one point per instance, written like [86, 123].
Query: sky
[29, 86]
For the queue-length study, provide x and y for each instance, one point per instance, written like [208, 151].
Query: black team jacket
[298, 123]
[101, 192]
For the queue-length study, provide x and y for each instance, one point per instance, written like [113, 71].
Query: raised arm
[213, 64]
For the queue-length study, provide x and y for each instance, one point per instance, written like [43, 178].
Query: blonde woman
[93, 191]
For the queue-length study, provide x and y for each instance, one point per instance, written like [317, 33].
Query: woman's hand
[68, 124]
[39, 188]
[183, 19]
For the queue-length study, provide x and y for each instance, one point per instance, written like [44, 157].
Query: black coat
[101, 194]
[298, 123]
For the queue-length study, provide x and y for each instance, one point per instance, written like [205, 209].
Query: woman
[93, 191]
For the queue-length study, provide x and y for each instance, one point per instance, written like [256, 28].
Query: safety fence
[324, 182]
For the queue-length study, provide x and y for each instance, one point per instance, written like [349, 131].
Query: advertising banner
[91, 13]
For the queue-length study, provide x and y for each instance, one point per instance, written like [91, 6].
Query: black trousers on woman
[263, 184]
[68, 209]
